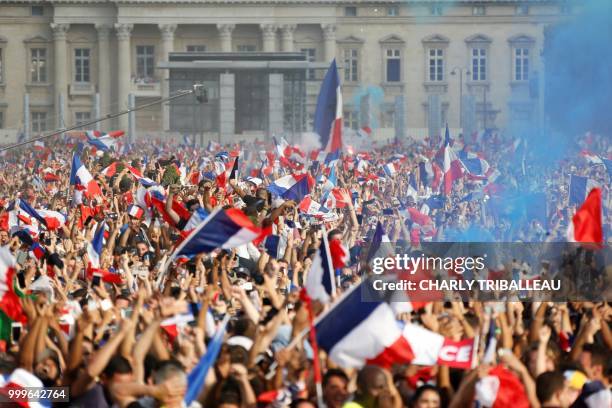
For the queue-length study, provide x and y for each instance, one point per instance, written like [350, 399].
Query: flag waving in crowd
[178, 274]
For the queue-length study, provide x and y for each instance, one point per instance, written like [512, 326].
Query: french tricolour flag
[310, 206]
[586, 224]
[53, 219]
[82, 179]
[452, 166]
[355, 332]
[501, 388]
[390, 169]
[579, 186]
[103, 141]
[475, 166]
[292, 187]
[110, 170]
[94, 248]
[21, 206]
[224, 229]
[328, 114]
[320, 282]
[135, 211]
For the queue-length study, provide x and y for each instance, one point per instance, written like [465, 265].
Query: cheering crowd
[101, 290]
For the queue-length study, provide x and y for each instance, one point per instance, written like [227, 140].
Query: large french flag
[361, 329]
[452, 166]
[320, 282]
[223, 229]
[586, 225]
[357, 332]
[22, 206]
[82, 179]
[292, 187]
[579, 186]
[328, 114]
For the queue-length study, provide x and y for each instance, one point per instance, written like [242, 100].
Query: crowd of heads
[128, 331]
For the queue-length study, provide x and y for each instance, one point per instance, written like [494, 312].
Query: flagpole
[180, 94]
[315, 349]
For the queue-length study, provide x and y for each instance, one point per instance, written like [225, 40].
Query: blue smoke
[578, 65]
[377, 97]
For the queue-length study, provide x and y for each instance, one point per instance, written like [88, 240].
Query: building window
[521, 64]
[521, 10]
[37, 11]
[39, 122]
[350, 11]
[351, 119]
[388, 119]
[478, 10]
[393, 11]
[436, 64]
[81, 64]
[246, 48]
[145, 61]
[351, 65]
[436, 10]
[1, 120]
[479, 64]
[1, 67]
[196, 48]
[38, 65]
[393, 62]
[82, 117]
[310, 57]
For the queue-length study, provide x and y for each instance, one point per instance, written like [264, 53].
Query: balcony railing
[82, 88]
[146, 87]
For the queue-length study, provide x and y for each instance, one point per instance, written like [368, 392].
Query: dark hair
[333, 232]
[239, 355]
[230, 392]
[296, 402]
[117, 365]
[244, 327]
[418, 393]
[548, 383]
[599, 355]
[334, 372]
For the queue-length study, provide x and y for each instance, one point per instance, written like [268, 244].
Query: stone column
[225, 35]
[329, 39]
[104, 82]
[275, 106]
[61, 72]
[124, 72]
[287, 31]
[268, 35]
[400, 117]
[227, 108]
[167, 32]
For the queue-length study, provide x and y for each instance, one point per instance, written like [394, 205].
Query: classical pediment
[521, 39]
[391, 39]
[436, 39]
[36, 39]
[478, 38]
[351, 39]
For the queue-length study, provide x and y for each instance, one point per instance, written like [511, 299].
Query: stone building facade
[66, 61]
